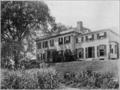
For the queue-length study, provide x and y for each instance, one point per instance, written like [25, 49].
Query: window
[111, 49]
[45, 44]
[66, 39]
[101, 35]
[79, 39]
[81, 53]
[90, 38]
[101, 50]
[39, 45]
[51, 43]
[60, 41]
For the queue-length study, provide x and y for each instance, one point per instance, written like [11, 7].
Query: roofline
[113, 32]
[54, 36]
[92, 32]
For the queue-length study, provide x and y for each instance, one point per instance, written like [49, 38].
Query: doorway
[90, 52]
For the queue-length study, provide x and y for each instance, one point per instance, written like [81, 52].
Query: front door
[90, 52]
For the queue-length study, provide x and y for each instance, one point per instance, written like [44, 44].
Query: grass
[82, 74]
[97, 66]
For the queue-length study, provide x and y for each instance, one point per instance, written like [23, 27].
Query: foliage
[89, 79]
[19, 21]
[31, 79]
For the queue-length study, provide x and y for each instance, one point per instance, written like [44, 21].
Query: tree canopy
[19, 19]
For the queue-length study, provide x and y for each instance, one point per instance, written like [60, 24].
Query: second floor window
[39, 45]
[45, 44]
[89, 37]
[101, 35]
[66, 39]
[79, 39]
[60, 41]
[51, 43]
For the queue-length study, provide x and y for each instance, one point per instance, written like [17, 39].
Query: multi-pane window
[45, 44]
[66, 39]
[60, 41]
[89, 37]
[101, 50]
[79, 39]
[39, 45]
[52, 42]
[101, 35]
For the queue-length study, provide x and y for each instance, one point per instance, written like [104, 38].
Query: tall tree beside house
[19, 20]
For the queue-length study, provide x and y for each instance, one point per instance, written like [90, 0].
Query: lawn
[97, 66]
[51, 79]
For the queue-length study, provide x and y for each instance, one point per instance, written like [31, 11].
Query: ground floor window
[80, 53]
[101, 50]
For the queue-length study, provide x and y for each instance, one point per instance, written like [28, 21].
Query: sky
[95, 15]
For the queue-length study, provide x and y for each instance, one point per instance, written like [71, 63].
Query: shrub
[30, 79]
[89, 79]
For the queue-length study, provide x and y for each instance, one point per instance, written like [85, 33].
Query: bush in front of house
[30, 79]
[90, 80]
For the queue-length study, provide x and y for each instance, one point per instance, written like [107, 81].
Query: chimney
[79, 25]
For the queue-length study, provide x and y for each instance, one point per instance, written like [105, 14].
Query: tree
[18, 19]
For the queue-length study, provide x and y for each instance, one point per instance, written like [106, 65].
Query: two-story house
[102, 44]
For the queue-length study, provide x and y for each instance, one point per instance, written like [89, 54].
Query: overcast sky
[95, 15]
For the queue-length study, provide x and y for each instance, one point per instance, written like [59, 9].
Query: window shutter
[86, 38]
[82, 39]
[93, 37]
[86, 52]
[105, 34]
[98, 51]
[93, 52]
[76, 53]
[105, 50]
[98, 36]
[53, 42]
[59, 41]
[64, 40]
[82, 53]
[69, 39]
[76, 40]
[41, 56]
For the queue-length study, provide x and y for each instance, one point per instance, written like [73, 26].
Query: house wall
[56, 46]
[73, 45]
[94, 43]
[113, 37]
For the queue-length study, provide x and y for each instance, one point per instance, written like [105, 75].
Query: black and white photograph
[60, 44]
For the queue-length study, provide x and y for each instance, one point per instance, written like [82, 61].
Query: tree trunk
[16, 59]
